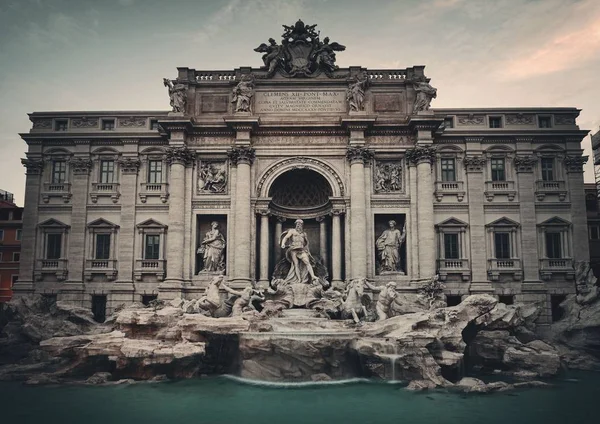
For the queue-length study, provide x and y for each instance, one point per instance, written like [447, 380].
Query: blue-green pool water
[225, 400]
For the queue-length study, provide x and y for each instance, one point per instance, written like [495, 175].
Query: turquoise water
[224, 400]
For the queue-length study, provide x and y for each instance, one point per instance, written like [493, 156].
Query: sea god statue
[298, 253]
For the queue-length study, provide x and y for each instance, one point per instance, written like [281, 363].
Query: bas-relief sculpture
[177, 95]
[301, 53]
[388, 177]
[243, 93]
[388, 245]
[212, 249]
[212, 177]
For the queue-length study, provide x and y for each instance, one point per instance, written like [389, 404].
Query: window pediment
[102, 223]
[504, 222]
[555, 222]
[151, 224]
[453, 222]
[53, 223]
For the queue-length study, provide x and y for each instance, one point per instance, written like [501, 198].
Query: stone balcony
[56, 267]
[505, 266]
[106, 267]
[454, 266]
[544, 188]
[455, 188]
[105, 190]
[494, 188]
[558, 266]
[154, 189]
[150, 267]
[62, 190]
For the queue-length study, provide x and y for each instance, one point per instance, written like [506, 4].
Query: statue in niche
[243, 93]
[355, 95]
[425, 93]
[298, 254]
[177, 94]
[388, 244]
[388, 177]
[212, 178]
[213, 249]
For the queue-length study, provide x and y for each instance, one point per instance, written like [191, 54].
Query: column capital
[525, 163]
[281, 219]
[474, 163]
[81, 166]
[180, 155]
[33, 166]
[129, 165]
[239, 155]
[420, 154]
[264, 212]
[320, 218]
[359, 154]
[575, 164]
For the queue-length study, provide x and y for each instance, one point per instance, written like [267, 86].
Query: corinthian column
[358, 215]
[242, 158]
[424, 157]
[178, 158]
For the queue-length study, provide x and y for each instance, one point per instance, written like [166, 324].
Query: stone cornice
[241, 155]
[33, 166]
[180, 155]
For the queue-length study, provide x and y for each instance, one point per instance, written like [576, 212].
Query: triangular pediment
[556, 221]
[503, 222]
[452, 222]
[151, 223]
[102, 223]
[53, 223]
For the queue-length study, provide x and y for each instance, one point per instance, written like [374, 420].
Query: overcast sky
[113, 54]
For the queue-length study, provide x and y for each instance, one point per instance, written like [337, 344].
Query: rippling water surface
[227, 400]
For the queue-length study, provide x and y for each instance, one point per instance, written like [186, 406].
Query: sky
[112, 54]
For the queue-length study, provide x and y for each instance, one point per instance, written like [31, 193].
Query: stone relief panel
[213, 103]
[387, 177]
[564, 119]
[393, 102]
[84, 122]
[42, 124]
[132, 122]
[519, 119]
[212, 177]
[470, 119]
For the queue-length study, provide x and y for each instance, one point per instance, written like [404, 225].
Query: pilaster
[574, 165]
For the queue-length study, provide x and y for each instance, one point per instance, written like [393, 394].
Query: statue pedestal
[299, 313]
[392, 273]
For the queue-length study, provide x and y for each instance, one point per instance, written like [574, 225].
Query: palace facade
[123, 206]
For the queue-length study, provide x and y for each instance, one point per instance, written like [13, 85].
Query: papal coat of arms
[301, 52]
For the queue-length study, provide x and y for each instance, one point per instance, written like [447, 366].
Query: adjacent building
[121, 206]
[10, 243]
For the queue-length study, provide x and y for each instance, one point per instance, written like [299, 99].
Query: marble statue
[355, 95]
[433, 291]
[425, 93]
[585, 283]
[177, 94]
[243, 93]
[211, 302]
[213, 249]
[387, 296]
[352, 306]
[388, 244]
[245, 300]
[212, 178]
[298, 254]
[301, 53]
[388, 177]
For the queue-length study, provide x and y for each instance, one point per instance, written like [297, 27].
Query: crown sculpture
[301, 52]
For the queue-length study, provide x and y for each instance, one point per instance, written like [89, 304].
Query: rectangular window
[19, 235]
[495, 122]
[594, 232]
[152, 244]
[107, 171]
[14, 278]
[16, 256]
[153, 124]
[448, 169]
[547, 169]
[53, 246]
[1, 234]
[59, 171]
[553, 246]
[451, 246]
[544, 122]
[498, 169]
[502, 245]
[108, 124]
[102, 246]
[155, 172]
[61, 125]
[449, 122]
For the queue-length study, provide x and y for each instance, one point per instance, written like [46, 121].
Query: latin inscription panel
[326, 101]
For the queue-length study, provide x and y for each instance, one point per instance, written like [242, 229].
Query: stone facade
[117, 203]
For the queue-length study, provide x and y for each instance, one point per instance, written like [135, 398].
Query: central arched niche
[300, 193]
